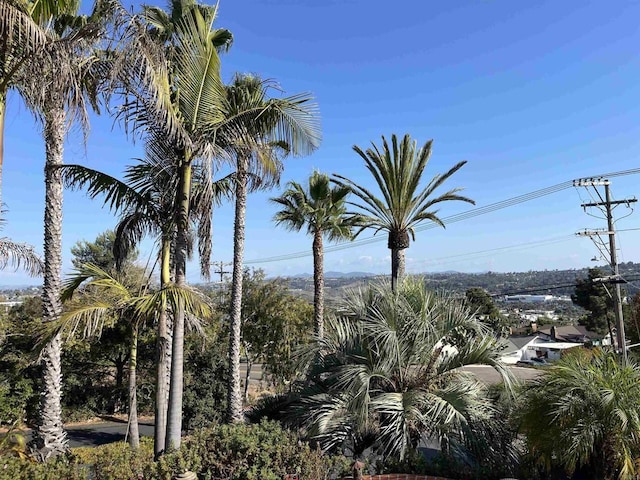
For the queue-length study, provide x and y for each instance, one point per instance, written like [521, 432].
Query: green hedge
[224, 452]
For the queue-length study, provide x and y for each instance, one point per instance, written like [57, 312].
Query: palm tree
[174, 89]
[397, 170]
[256, 130]
[582, 413]
[322, 208]
[22, 27]
[109, 300]
[57, 84]
[387, 372]
[146, 201]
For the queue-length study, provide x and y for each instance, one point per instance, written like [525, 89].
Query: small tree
[274, 322]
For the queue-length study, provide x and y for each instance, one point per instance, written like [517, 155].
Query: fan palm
[322, 208]
[256, 130]
[583, 414]
[109, 300]
[397, 170]
[387, 371]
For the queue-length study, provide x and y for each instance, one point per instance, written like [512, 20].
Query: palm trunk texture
[134, 430]
[318, 284]
[397, 267]
[174, 420]
[163, 371]
[50, 437]
[234, 393]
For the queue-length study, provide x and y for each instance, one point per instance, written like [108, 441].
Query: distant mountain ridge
[337, 275]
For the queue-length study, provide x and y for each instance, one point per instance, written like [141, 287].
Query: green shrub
[116, 461]
[248, 452]
[13, 468]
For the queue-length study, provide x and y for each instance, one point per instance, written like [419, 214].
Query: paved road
[489, 376]
[99, 433]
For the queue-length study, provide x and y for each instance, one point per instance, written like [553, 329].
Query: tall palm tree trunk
[51, 438]
[318, 284]
[163, 357]
[174, 420]
[134, 430]
[234, 394]
[397, 267]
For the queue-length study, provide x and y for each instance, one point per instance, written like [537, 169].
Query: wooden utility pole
[614, 279]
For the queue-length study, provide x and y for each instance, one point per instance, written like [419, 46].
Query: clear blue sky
[530, 93]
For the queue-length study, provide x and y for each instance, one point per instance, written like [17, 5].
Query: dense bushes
[224, 452]
[250, 452]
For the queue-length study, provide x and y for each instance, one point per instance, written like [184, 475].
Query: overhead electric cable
[474, 212]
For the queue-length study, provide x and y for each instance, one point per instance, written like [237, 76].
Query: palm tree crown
[397, 170]
[387, 371]
[582, 414]
[323, 209]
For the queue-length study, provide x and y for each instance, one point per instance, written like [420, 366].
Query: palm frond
[20, 255]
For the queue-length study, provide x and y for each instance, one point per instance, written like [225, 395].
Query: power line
[545, 288]
[474, 212]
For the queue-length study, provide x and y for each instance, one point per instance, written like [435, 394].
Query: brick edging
[398, 476]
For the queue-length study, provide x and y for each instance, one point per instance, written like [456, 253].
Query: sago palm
[402, 204]
[582, 414]
[322, 208]
[256, 131]
[388, 371]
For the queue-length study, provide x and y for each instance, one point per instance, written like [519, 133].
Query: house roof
[571, 333]
[516, 342]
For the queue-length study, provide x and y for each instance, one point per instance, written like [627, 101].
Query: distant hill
[553, 282]
[336, 275]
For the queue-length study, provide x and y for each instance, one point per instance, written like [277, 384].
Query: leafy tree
[206, 358]
[482, 303]
[387, 373]
[274, 323]
[594, 297]
[322, 208]
[256, 131]
[99, 252]
[397, 171]
[19, 382]
[582, 414]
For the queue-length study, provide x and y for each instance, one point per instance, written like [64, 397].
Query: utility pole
[615, 279]
[221, 271]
